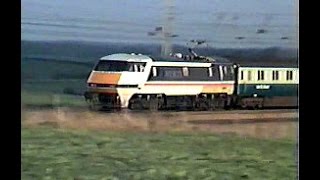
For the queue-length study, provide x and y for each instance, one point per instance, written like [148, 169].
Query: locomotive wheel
[202, 105]
[243, 106]
[154, 104]
[219, 104]
[258, 106]
[94, 107]
[93, 104]
[137, 105]
[229, 103]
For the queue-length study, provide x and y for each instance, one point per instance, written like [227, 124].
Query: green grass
[49, 153]
[48, 99]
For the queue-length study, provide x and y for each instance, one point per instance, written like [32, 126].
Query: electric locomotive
[137, 81]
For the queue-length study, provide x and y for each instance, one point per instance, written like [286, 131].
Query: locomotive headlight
[92, 85]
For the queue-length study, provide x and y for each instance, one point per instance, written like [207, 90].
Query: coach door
[236, 78]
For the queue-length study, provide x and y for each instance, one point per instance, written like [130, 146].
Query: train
[193, 82]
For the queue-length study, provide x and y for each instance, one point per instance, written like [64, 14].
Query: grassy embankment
[49, 153]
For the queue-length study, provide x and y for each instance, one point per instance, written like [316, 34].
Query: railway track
[194, 117]
[257, 123]
[169, 112]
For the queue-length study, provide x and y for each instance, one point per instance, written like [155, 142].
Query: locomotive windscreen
[118, 66]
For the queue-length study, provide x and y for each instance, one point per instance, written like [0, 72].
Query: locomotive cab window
[113, 66]
[118, 66]
[139, 67]
[136, 67]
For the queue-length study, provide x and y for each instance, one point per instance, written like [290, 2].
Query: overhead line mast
[166, 47]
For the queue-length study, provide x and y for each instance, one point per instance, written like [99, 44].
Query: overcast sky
[219, 21]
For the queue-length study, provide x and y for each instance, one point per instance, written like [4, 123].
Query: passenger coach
[267, 84]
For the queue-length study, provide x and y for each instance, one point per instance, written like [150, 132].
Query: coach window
[185, 71]
[275, 75]
[241, 75]
[249, 76]
[289, 75]
[260, 75]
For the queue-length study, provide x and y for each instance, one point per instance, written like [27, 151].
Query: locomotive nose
[104, 78]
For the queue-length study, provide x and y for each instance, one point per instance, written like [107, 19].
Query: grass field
[49, 153]
[48, 99]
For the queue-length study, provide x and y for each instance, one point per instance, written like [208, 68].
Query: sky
[222, 23]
